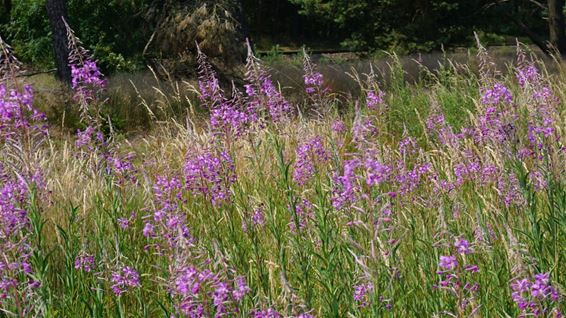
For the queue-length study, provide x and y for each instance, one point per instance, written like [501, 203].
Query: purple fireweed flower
[277, 106]
[124, 279]
[471, 268]
[313, 82]
[148, 230]
[84, 263]
[123, 223]
[361, 294]
[18, 117]
[448, 262]
[409, 179]
[309, 155]
[258, 217]
[227, 119]
[167, 222]
[535, 297]
[90, 139]
[408, 146]
[373, 99]
[16, 272]
[377, 173]
[210, 175]
[22, 130]
[456, 278]
[538, 180]
[437, 126]
[122, 167]
[496, 95]
[364, 130]
[220, 297]
[188, 282]
[462, 246]
[192, 287]
[346, 186]
[527, 75]
[86, 80]
[211, 94]
[264, 99]
[241, 289]
[509, 190]
[338, 127]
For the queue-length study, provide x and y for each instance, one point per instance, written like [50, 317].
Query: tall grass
[433, 199]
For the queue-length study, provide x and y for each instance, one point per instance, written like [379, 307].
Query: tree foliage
[411, 25]
[118, 31]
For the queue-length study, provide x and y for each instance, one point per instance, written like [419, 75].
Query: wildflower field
[442, 198]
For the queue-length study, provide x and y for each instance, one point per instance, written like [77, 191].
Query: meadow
[444, 196]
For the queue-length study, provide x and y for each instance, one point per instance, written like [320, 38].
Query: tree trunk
[556, 25]
[56, 11]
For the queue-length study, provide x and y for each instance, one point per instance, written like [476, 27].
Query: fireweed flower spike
[22, 133]
[85, 263]
[124, 279]
[346, 187]
[318, 93]
[263, 96]
[536, 297]
[210, 174]
[310, 154]
[86, 79]
[457, 278]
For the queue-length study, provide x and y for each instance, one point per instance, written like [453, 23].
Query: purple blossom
[527, 75]
[377, 173]
[374, 99]
[448, 263]
[509, 190]
[86, 80]
[456, 278]
[258, 217]
[220, 297]
[496, 95]
[241, 289]
[346, 187]
[462, 246]
[535, 297]
[18, 117]
[123, 223]
[264, 99]
[85, 263]
[210, 175]
[148, 230]
[309, 155]
[167, 222]
[338, 127]
[363, 130]
[90, 139]
[124, 279]
[228, 120]
[313, 82]
[361, 294]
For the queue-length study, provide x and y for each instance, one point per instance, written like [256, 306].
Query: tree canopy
[118, 31]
